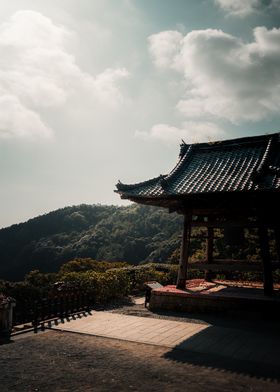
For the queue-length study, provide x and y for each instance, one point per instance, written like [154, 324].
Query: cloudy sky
[92, 91]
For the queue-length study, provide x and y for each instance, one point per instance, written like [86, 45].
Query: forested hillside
[133, 234]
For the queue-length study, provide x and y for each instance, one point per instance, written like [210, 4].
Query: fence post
[35, 316]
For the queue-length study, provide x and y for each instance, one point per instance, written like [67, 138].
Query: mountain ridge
[113, 233]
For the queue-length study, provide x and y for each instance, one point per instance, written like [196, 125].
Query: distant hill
[133, 234]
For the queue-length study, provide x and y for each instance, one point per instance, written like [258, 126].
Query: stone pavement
[255, 345]
[132, 328]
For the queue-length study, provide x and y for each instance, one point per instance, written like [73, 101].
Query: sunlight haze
[93, 91]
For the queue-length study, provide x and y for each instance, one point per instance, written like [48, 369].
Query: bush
[102, 286]
[87, 264]
[109, 284]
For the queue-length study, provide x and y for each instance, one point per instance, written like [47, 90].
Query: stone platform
[217, 297]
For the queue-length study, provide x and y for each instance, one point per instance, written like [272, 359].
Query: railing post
[61, 306]
[35, 316]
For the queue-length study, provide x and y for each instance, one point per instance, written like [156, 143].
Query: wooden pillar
[209, 251]
[183, 265]
[277, 242]
[265, 255]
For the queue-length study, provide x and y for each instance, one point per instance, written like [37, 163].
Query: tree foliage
[131, 234]
[135, 234]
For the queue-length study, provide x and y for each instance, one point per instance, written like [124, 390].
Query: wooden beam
[226, 267]
[217, 224]
[183, 265]
[232, 265]
[265, 255]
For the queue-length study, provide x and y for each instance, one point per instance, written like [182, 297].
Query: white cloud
[239, 7]
[38, 71]
[164, 47]
[191, 132]
[106, 88]
[226, 78]
[242, 8]
[18, 121]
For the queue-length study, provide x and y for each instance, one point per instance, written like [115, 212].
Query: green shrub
[113, 283]
[102, 286]
[87, 264]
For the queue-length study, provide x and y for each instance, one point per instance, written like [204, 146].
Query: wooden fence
[59, 303]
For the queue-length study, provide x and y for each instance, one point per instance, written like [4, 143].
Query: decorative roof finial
[183, 148]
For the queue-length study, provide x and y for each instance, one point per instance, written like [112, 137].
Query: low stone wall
[6, 315]
[199, 303]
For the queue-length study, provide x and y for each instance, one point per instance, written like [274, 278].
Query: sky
[93, 92]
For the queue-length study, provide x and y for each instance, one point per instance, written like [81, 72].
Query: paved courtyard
[257, 345]
[117, 351]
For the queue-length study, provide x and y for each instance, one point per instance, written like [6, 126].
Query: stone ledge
[204, 302]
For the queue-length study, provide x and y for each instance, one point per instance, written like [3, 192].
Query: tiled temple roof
[238, 165]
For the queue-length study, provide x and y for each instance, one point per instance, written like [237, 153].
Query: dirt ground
[62, 361]
[56, 361]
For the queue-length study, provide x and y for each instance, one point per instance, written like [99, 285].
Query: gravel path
[55, 361]
[62, 361]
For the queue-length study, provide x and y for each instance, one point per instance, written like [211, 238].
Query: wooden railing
[59, 303]
[232, 265]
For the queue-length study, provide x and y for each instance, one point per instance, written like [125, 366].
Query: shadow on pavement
[233, 350]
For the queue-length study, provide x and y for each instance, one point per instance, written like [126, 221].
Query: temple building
[230, 184]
